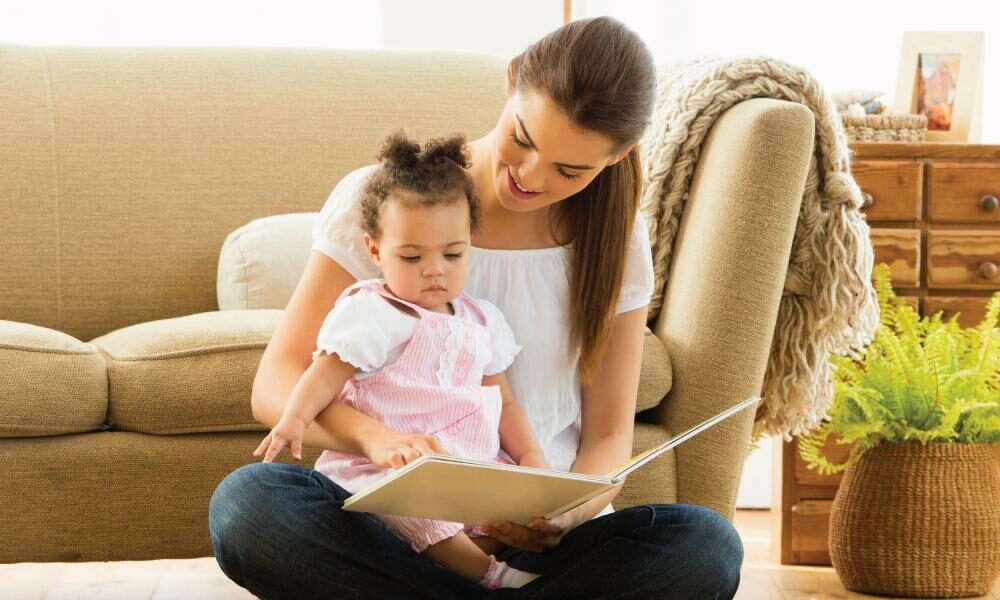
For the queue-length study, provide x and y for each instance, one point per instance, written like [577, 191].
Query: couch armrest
[726, 278]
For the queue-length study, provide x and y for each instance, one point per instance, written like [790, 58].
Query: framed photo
[941, 76]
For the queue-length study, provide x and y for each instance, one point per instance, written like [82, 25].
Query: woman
[563, 253]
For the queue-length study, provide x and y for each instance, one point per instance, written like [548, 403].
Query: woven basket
[885, 128]
[919, 521]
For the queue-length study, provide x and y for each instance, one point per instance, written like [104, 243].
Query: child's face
[424, 251]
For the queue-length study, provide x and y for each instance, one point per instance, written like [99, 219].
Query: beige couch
[124, 391]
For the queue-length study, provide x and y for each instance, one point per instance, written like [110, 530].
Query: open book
[449, 488]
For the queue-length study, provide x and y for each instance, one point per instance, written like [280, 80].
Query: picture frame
[941, 76]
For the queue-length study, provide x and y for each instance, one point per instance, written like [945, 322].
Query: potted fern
[918, 511]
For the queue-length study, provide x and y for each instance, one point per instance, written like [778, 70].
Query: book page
[469, 493]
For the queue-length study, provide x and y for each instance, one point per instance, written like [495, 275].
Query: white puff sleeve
[637, 280]
[505, 348]
[337, 230]
[364, 330]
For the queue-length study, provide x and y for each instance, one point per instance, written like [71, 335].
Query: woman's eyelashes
[517, 140]
[562, 173]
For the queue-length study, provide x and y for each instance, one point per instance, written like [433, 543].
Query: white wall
[257, 23]
[503, 27]
[851, 44]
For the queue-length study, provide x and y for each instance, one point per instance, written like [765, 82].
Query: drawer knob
[869, 200]
[988, 270]
[988, 203]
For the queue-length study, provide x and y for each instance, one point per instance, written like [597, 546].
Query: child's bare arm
[318, 387]
[315, 390]
[516, 435]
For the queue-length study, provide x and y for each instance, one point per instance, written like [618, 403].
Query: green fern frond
[811, 449]
[921, 379]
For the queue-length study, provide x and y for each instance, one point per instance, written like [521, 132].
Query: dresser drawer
[963, 259]
[892, 189]
[971, 309]
[810, 531]
[964, 192]
[900, 249]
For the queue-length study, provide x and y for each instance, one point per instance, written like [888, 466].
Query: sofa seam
[3, 426]
[106, 359]
[183, 353]
[53, 140]
[48, 350]
[210, 428]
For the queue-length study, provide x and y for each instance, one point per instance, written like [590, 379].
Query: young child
[416, 354]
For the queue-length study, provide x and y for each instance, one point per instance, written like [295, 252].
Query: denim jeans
[278, 530]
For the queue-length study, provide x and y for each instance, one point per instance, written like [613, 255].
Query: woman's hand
[288, 431]
[394, 449]
[534, 459]
[543, 534]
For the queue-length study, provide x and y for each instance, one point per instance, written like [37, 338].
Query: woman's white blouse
[531, 288]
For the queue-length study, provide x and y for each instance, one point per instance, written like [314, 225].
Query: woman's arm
[608, 408]
[289, 354]
[516, 436]
[605, 436]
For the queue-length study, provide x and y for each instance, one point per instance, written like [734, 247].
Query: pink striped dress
[434, 386]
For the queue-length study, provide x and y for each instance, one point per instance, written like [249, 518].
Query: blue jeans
[278, 531]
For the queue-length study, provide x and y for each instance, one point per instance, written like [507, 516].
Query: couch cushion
[186, 375]
[656, 375]
[50, 383]
[194, 374]
[150, 156]
[656, 482]
[261, 262]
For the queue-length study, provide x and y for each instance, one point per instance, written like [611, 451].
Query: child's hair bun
[435, 175]
[399, 151]
[447, 149]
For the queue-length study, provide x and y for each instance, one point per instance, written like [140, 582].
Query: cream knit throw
[828, 304]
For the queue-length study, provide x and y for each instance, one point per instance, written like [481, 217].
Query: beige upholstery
[50, 383]
[261, 262]
[125, 169]
[124, 392]
[217, 353]
[726, 279]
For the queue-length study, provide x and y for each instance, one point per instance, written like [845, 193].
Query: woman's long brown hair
[603, 76]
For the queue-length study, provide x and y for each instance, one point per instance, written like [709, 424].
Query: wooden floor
[201, 578]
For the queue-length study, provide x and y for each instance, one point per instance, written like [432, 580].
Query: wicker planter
[885, 128]
[919, 521]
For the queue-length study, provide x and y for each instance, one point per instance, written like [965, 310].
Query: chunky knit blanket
[828, 304]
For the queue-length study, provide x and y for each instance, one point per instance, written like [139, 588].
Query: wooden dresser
[934, 217]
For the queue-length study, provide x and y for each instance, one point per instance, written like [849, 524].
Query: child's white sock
[502, 575]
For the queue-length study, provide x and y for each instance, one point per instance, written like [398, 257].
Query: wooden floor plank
[201, 579]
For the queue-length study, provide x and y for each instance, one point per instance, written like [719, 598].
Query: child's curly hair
[436, 175]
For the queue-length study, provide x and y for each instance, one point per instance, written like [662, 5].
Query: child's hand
[395, 450]
[289, 431]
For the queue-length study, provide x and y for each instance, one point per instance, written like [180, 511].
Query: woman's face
[540, 156]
